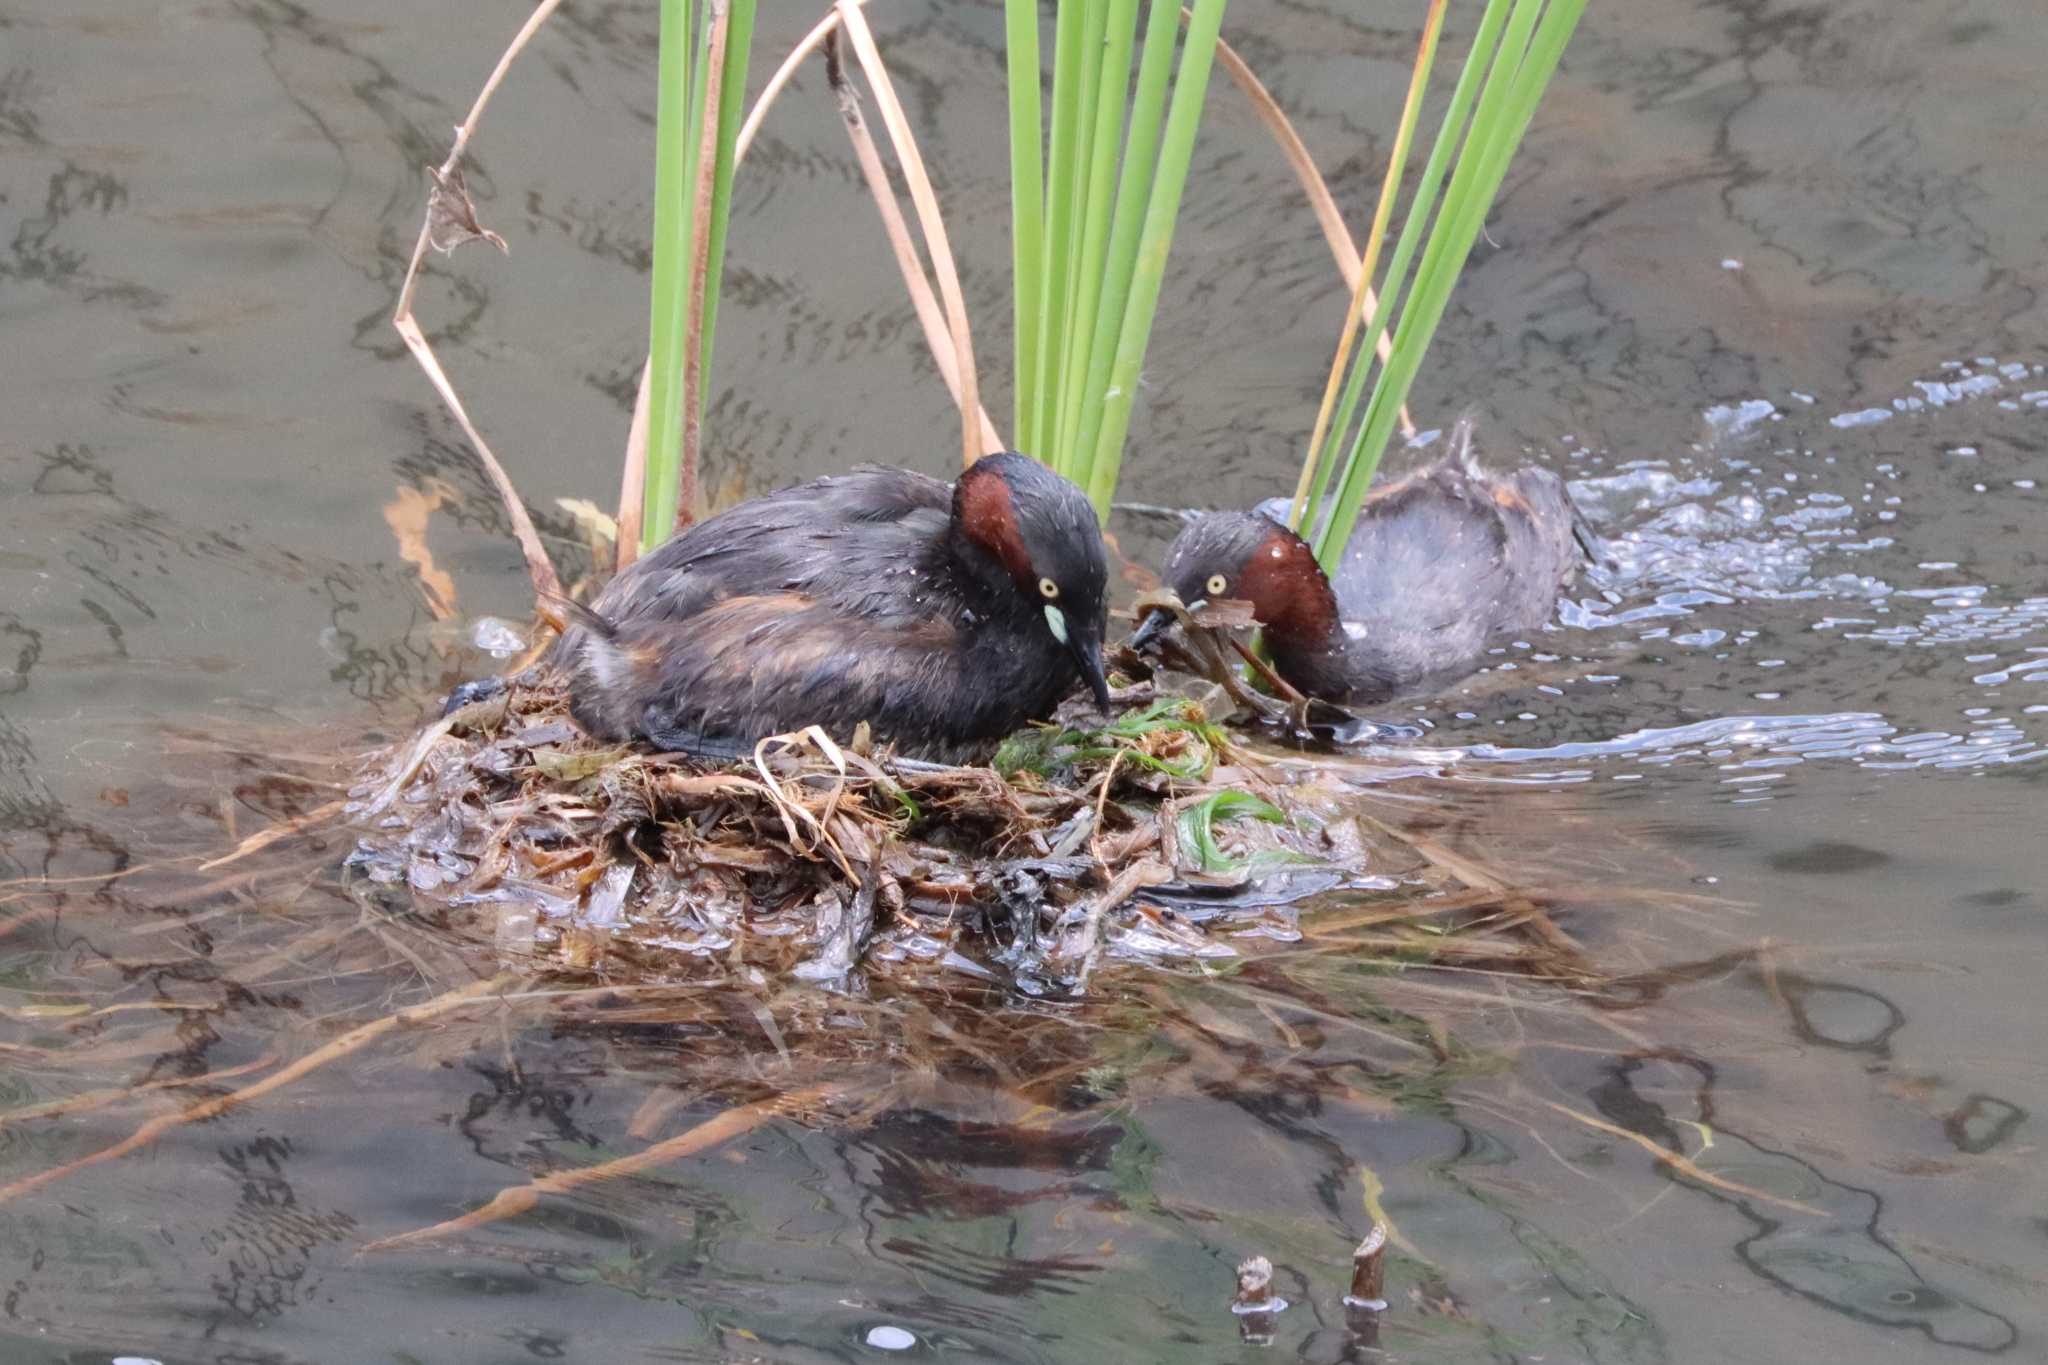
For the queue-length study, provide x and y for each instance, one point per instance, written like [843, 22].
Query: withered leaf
[571, 767]
[451, 214]
[407, 515]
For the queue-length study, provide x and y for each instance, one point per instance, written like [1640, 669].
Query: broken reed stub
[1255, 1289]
[1369, 1272]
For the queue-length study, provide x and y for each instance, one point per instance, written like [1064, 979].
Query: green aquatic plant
[1094, 198]
[703, 82]
[1171, 735]
[1196, 826]
[1515, 52]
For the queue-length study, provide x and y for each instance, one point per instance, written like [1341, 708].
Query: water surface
[1766, 286]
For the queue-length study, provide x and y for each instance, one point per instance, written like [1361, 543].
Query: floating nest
[1157, 837]
[507, 873]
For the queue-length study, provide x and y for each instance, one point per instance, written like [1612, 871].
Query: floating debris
[1257, 1307]
[1151, 837]
[890, 1338]
[1369, 1272]
[1156, 837]
[1255, 1288]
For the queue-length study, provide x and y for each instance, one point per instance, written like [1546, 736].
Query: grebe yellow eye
[1048, 589]
[1217, 583]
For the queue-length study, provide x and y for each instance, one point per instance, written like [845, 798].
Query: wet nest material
[1154, 838]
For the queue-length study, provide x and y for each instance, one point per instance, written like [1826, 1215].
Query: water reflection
[263, 1253]
[1783, 298]
[1126, 1152]
[1832, 1249]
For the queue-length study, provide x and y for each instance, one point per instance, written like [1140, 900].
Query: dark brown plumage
[1441, 565]
[946, 616]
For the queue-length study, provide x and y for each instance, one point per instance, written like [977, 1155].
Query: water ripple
[1753, 746]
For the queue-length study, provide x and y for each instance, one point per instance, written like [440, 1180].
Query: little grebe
[945, 616]
[1441, 565]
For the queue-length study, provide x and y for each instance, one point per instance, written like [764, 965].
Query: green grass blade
[1134, 184]
[732, 111]
[1177, 148]
[1093, 35]
[684, 80]
[1106, 138]
[1516, 79]
[1363, 307]
[1450, 133]
[1196, 828]
[671, 272]
[1027, 204]
[1068, 26]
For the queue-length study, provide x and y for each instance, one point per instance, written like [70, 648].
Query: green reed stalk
[1517, 46]
[1148, 112]
[681, 222]
[1055, 231]
[1093, 222]
[1147, 270]
[1321, 452]
[1421, 205]
[1027, 201]
[1099, 168]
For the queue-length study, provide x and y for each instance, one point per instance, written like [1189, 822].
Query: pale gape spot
[607, 662]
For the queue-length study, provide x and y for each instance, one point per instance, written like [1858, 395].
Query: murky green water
[1767, 286]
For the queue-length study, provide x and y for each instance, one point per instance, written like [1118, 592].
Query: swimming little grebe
[945, 616]
[1441, 565]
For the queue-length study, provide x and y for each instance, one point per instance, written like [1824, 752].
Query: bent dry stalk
[434, 231]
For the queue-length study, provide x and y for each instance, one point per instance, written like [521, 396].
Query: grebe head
[1244, 556]
[1033, 534]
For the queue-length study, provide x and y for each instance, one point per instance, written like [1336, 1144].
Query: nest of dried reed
[1155, 837]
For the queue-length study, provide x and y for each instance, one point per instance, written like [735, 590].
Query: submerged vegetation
[507, 889]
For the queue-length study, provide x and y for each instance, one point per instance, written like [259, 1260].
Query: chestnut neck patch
[985, 514]
[1290, 592]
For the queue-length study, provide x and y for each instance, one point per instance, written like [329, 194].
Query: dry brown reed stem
[1101, 805]
[1362, 302]
[1682, 1164]
[700, 267]
[264, 838]
[538, 566]
[1324, 204]
[633, 478]
[929, 221]
[100, 1099]
[352, 1041]
[810, 43]
[1281, 688]
[722, 1128]
[929, 317]
[653, 1112]
[1518, 910]
[1320, 201]
[898, 232]
[791, 807]
[1466, 870]
[1126, 884]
